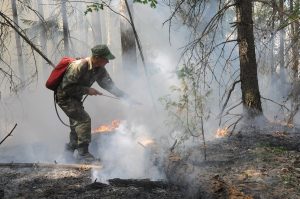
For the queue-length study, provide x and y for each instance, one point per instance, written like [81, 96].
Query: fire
[146, 142]
[222, 132]
[282, 123]
[108, 127]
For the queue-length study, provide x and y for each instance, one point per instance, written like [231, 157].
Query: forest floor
[253, 163]
[76, 183]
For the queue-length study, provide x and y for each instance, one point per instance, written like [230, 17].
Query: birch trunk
[66, 32]
[43, 37]
[18, 41]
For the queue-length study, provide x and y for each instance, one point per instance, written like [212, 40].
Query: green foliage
[153, 3]
[184, 72]
[293, 17]
[187, 103]
[266, 152]
[93, 7]
[29, 22]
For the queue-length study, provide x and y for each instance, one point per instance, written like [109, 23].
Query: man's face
[99, 61]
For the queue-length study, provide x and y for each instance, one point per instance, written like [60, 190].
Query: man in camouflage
[77, 81]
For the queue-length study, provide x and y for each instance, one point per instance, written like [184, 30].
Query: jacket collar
[90, 65]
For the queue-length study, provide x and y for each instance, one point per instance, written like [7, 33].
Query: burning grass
[107, 127]
[222, 132]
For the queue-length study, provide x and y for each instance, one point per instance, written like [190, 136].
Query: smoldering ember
[149, 99]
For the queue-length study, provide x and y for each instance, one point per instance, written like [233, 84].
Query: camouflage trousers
[80, 121]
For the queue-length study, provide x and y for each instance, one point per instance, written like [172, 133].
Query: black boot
[84, 155]
[69, 152]
[70, 147]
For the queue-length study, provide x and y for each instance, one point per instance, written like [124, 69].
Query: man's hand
[92, 91]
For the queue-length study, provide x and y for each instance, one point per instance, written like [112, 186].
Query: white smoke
[40, 137]
[123, 154]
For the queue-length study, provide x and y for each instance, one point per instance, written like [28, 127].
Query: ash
[77, 183]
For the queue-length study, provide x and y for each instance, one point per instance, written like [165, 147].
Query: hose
[82, 102]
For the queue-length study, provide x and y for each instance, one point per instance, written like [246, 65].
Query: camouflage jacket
[80, 76]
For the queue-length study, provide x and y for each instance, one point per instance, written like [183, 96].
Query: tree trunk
[248, 65]
[43, 37]
[18, 41]
[129, 57]
[294, 95]
[295, 40]
[65, 27]
[281, 43]
[96, 27]
[273, 66]
[83, 25]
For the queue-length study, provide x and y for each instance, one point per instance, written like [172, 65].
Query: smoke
[40, 137]
[35, 138]
[129, 152]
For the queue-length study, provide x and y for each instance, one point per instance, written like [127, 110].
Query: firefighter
[77, 81]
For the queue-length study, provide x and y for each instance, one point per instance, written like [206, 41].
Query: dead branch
[141, 145]
[233, 107]
[8, 134]
[234, 125]
[281, 105]
[104, 4]
[227, 99]
[138, 42]
[33, 10]
[203, 138]
[51, 165]
[27, 40]
[173, 146]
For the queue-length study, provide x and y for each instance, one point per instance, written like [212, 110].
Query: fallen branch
[51, 165]
[141, 144]
[227, 99]
[173, 146]
[8, 134]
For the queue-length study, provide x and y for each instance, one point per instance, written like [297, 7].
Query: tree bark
[43, 37]
[27, 40]
[273, 66]
[295, 40]
[281, 43]
[65, 27]
[96, 27]
[294, 95]
[129, 57]
[18, 41]
[248, 66]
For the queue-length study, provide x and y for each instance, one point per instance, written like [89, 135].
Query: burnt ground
[253, 163]
[76, 183]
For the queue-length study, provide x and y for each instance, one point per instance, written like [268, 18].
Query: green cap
[102, 51]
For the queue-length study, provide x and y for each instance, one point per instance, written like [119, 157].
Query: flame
[222, 132]
[108, 127]
[146, 142]
[282, 123]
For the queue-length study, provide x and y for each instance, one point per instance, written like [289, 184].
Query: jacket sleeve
[107, 83]
[70, 82]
